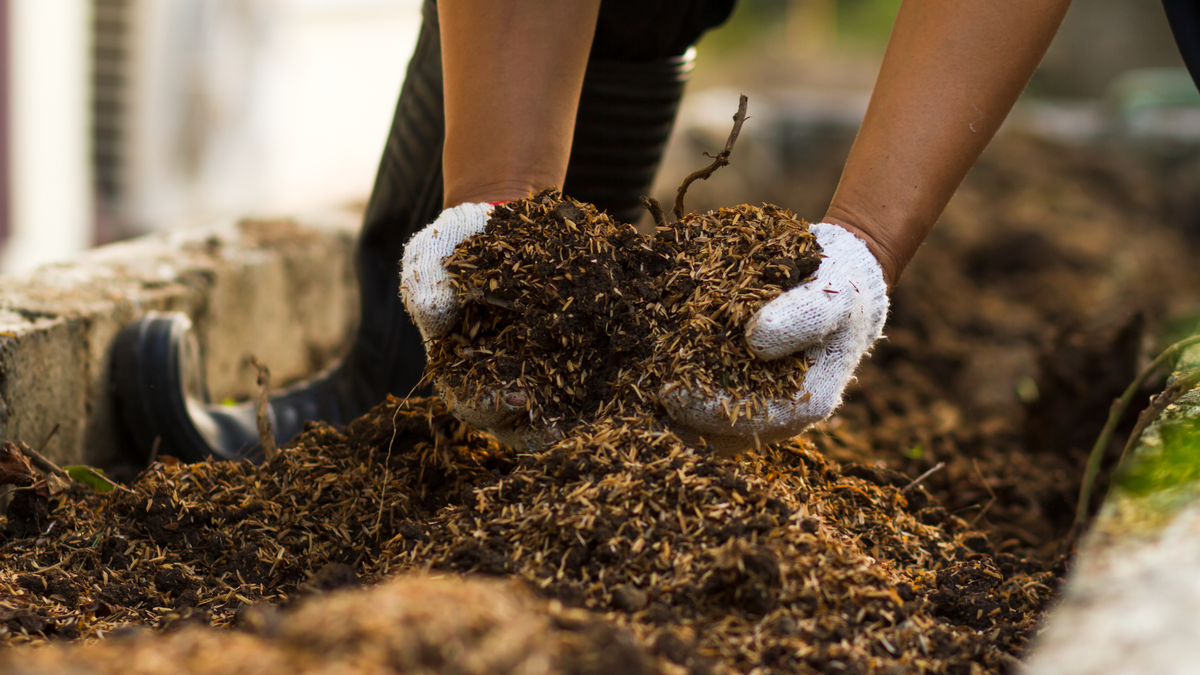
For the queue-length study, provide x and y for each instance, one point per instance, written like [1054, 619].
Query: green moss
[1168, 459]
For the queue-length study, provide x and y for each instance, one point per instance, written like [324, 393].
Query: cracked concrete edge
[1130, 602]
[283, 289]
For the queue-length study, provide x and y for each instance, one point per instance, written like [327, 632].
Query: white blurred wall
[50, 210]
[256, 106]
[227, 107]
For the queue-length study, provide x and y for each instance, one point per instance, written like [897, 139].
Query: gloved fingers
[424, 283]
[528, 439]
[495, 409]
[720, 415]
[505, 415]
[728, 445]
[832, 365]
[848, 293]
[803, 316]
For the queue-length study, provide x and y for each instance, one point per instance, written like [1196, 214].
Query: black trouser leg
[1184, 17]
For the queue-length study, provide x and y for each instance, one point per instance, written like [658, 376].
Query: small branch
[265, 436]
[722, 158]
[990, 492]
[1115, 413]
[39, 460]
[656, 211]
[99, 476]
[46, 440]
[1157, 406]
[919, 479]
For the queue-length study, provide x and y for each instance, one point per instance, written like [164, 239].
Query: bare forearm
[952, 71]
[513, 70]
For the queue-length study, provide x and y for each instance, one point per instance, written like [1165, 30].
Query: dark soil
[636, 553]
[588, 318]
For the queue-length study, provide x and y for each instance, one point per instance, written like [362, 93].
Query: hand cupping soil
[588, 318]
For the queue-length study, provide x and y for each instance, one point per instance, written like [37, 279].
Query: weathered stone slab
[1132, 601]
[283, 290]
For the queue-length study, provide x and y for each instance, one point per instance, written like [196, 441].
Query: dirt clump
[588, 318]
[418, 625]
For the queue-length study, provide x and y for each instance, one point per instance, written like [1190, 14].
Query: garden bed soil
[822, 554]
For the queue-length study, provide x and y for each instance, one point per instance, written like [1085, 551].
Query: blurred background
[122, 117]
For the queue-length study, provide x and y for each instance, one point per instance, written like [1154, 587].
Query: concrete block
[281, 289]
[1130, 603]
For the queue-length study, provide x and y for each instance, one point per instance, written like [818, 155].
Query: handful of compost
[567, 316]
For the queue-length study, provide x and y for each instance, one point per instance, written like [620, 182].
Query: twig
[656, 211]
[265, 436]
[46, 440]
[1159, 404]
[154, 449]
[46, 466]
[989, 491]
[917, 481]
[1115, 413]
[96, 474]
[720, 160]
[387, 461]
[39, 460]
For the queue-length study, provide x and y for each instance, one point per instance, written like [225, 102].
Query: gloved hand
[834, 319]
[424, 283]
[431, 301]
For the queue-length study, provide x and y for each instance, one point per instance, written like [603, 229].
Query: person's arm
[513, 70]
[952, 71]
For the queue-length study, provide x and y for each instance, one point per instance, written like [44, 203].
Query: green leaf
[93, 478]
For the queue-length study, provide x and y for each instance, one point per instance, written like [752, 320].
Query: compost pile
[704, 563]
[588, 319]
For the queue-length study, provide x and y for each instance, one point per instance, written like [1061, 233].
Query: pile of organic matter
[587, 318]
[199, 542]
[778, 559]
[710, 564]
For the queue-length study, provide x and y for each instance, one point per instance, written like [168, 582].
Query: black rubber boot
[158, 374]
[626, 113]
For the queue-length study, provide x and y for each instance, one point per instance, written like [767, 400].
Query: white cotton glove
[834, 319]
[430, 299]
[424, 283]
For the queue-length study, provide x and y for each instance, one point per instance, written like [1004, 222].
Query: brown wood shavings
[588, 318]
